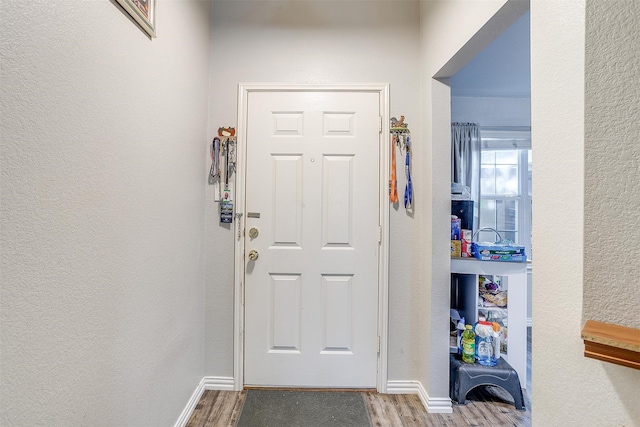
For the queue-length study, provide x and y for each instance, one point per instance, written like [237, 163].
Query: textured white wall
[102, 189]
[491, 111]
[318, 42]
[612, 163]
[600, 394]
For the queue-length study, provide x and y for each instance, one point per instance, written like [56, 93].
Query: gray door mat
[283, 408]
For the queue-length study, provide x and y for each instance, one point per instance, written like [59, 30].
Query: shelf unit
[465, 297]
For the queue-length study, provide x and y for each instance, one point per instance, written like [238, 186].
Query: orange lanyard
[393, 184]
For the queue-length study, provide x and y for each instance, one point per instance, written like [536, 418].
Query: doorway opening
[492, 94]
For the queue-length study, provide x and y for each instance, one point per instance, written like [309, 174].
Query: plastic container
[460, 327]
[468, 345]
[496, 340]
[455, 228]
[484, 344]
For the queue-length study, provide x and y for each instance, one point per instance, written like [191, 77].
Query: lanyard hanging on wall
[223, 145]
[214, 173]
[408, 189]
[393, 184]
[226, 202]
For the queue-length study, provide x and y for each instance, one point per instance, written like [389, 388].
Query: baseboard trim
[403, 387]
[218, 383]
[433, 405]
[206, 383]
[191, 405]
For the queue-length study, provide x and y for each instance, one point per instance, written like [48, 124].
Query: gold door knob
[253, 255]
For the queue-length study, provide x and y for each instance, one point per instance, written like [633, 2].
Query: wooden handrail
[612, 343]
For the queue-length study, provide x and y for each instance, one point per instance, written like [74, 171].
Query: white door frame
[383, 248]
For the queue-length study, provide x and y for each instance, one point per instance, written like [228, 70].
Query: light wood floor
[486, 406]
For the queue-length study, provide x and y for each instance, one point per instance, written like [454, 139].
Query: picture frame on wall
[143, 12]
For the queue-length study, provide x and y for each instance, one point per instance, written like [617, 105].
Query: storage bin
[463, 209]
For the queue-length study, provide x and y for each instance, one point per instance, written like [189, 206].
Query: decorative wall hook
[400, 130]
[230, 131]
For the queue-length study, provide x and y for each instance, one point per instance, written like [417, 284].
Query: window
[505, 187]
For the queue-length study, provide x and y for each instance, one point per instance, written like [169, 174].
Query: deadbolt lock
[253, 232]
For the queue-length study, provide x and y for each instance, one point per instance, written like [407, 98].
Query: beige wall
[323, 43]
[102, 212]
[569, 389]
[612, 163]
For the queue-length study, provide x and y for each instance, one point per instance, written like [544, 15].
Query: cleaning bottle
[468, 345]
[484, 344]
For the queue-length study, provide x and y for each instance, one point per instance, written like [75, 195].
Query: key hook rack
[399, 131]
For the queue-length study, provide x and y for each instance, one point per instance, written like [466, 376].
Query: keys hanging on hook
[400, 138]
[231, 152]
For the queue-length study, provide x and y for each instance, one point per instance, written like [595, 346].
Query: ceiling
[503, 68]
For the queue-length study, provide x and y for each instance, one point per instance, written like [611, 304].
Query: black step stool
[465, 376]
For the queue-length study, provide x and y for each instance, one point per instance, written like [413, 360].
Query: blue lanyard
[215, 158]
[408, 189]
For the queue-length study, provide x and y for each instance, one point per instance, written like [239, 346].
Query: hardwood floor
[218, 409]
[486, 406]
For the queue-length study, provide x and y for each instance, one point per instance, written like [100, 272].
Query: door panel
[337, 196]
[284, 313]
[337, 314]
[311, 297]
[287, 199]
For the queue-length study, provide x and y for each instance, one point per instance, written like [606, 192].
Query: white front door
[312, 188]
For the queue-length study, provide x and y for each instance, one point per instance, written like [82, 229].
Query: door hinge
[379, 234]
[379, 124]
[378, 344]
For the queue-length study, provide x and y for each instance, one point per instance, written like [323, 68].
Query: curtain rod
[511, 128]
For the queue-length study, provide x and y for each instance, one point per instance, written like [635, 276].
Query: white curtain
[465, 158]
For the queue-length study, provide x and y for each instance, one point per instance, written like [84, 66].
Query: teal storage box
[502, 250]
